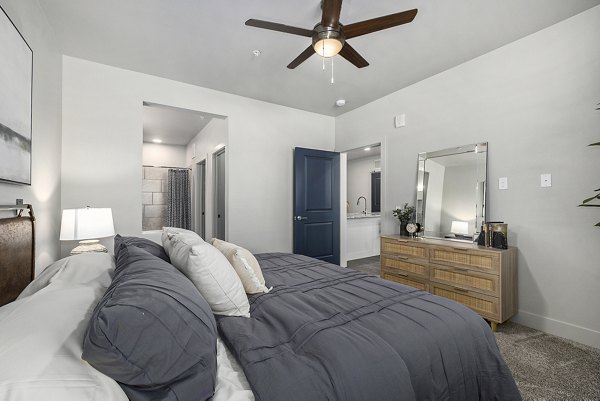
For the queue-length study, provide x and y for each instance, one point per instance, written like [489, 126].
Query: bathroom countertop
[353, 216]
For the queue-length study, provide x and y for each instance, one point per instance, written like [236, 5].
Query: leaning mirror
[451, 192]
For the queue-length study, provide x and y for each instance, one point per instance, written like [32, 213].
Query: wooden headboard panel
[17, 253]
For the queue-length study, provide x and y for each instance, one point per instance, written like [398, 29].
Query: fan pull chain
[332, 80]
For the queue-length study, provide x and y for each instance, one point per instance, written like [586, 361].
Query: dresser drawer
[486, 306]
[471, 258]
[404, 248]
[406, 280]
[466, 279]
[403, 264]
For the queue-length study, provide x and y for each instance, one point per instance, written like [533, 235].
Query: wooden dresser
[484, 279]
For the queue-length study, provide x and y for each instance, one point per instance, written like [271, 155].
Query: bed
[322, 333]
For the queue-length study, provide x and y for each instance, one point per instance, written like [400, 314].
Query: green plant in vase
[405, 214]
[588, 202]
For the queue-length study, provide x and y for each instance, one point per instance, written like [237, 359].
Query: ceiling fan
[329, 36]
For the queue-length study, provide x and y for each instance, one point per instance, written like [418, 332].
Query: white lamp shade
[460, 227]
[86, 223]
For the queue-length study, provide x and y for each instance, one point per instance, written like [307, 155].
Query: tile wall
[154, 198]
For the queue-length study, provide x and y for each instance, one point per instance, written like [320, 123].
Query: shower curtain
[179, 202]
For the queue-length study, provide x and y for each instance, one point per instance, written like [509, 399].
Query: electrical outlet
[546, 180]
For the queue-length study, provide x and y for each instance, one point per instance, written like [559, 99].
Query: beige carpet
[549, 368]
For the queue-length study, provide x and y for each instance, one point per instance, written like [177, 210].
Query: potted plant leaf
[405, 215]
[589, 201]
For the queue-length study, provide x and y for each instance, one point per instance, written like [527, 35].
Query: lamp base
[92, 245]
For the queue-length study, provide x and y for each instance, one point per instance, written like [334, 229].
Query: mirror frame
[420, 212]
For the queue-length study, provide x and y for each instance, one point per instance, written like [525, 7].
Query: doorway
[361, 217]
[219, 191]
[201, 199]
[175, 138]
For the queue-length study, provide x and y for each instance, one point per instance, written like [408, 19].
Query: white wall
[102, 155]
[158, 154]
[359, 182]
[44, 192]
[533, 101]
[208, 141]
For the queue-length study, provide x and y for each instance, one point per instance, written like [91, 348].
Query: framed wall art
[16, 84]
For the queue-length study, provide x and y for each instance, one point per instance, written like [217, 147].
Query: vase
[403, 231]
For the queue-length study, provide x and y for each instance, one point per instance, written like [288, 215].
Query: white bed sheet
[41, 336]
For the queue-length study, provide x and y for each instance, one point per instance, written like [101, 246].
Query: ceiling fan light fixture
[327, 42]
[328, 47]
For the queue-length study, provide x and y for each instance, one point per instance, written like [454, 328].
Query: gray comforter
[328, 333]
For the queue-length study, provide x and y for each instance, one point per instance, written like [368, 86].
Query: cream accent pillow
[245, 264]
[210, 272]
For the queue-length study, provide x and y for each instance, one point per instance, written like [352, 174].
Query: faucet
[358, 201]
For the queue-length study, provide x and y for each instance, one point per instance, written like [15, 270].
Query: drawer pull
[460, 249]
[460, 289]
[400, 274]
[462, 269]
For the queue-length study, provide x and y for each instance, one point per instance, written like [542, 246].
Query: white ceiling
[206, 43]
[172, 125]
[359, 153]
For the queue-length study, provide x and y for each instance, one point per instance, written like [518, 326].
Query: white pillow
[245, 264]
[188, 236]
[211, 273]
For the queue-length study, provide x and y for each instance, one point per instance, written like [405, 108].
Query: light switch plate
[400, 120]
[503, 183]
[546, 180]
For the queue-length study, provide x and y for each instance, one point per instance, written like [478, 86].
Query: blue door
[317, 204]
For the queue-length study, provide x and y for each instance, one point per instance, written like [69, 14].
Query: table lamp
[86, 226]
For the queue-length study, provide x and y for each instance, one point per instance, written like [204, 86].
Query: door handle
[299, 218]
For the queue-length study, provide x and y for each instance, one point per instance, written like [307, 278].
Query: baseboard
[558, 328]
[362, 254]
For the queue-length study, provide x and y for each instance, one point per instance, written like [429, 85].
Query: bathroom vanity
[363, 231]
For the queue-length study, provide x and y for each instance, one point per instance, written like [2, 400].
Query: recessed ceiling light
[367, 149]
[256, 52]
[157, 140]
[340, 102]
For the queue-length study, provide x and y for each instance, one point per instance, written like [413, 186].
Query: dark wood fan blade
[352, 56]
[301, 58]
[273, 26]
[378, 24]
[331, 13]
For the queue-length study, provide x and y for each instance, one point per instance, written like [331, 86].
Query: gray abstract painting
[16, 71]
